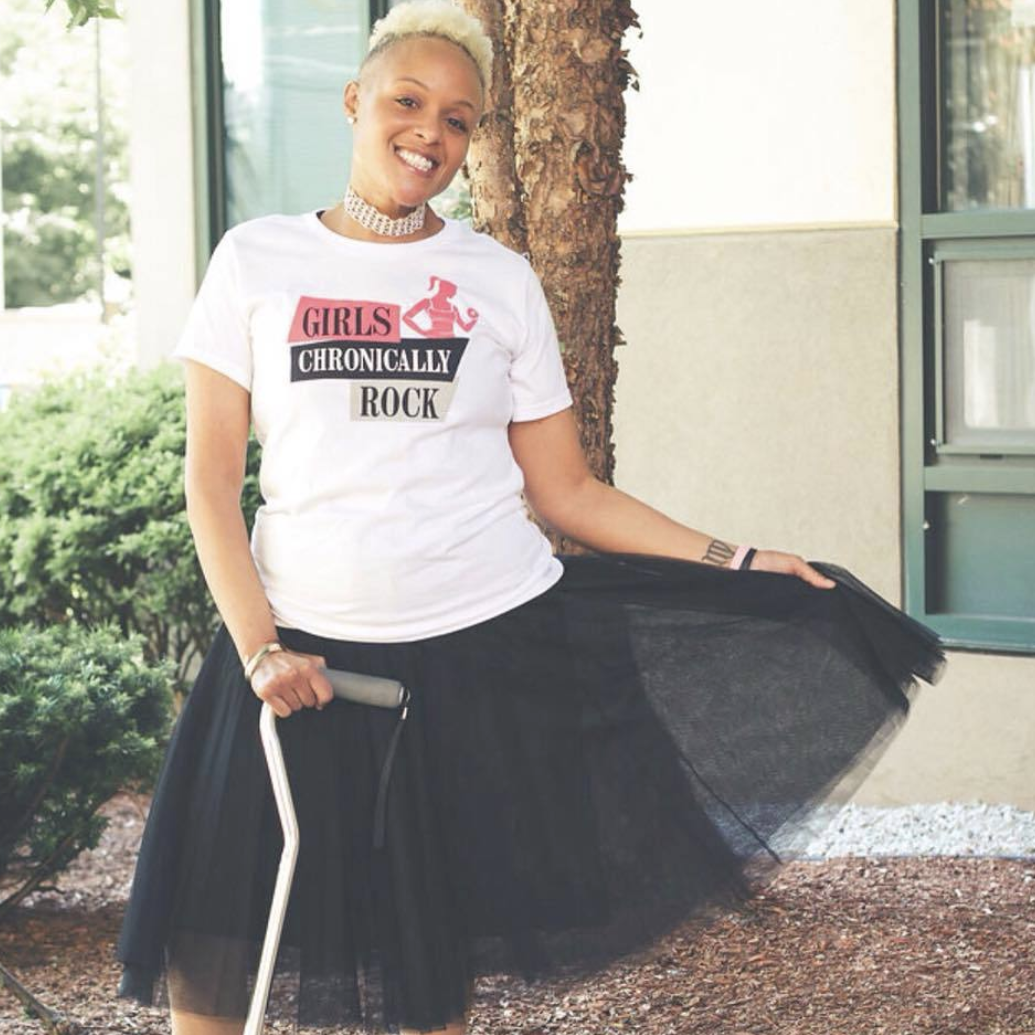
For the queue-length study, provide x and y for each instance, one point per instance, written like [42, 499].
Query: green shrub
[82, 716]
[93, 525]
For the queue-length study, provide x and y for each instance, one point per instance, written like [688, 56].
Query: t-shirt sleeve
[216, 332]
[537, 381]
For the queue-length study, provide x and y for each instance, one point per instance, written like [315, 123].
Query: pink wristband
[738, 556]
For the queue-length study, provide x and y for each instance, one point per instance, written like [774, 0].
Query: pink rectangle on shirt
[320, 319]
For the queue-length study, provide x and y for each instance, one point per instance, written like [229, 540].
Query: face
[422, 97]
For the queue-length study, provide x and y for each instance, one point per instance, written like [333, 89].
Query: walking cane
[350, 686]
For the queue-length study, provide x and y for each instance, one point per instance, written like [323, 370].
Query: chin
[424, 197]
[413, 198]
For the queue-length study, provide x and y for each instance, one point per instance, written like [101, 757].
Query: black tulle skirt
[650, 739]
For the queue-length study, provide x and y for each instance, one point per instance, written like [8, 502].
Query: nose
[428, 126]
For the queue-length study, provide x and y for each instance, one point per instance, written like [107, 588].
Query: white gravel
[947, 828]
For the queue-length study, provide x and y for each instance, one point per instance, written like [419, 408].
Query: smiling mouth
[417, 163]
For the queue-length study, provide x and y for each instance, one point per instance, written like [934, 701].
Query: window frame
[926, 237]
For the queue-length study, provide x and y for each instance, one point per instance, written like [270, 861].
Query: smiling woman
[412, 109]
[596, 747]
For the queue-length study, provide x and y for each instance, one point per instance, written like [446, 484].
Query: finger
[302, 690]
[322, 688]
[275, 690]
[301, 693]
[292, 682]
[321, 684]
[281, 709]
[323, 692]
[283, 688]
[816, 578]
[317, 691]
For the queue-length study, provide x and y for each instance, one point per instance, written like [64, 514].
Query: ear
[350, 97]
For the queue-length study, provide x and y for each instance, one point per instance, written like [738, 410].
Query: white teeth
[417, 161]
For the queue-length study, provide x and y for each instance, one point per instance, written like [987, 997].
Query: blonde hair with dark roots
[434, 18]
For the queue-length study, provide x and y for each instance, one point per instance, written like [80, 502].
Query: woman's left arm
[567, 497]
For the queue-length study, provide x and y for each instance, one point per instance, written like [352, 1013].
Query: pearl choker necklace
[373, 219]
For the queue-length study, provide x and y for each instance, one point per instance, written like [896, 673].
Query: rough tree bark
[547, 179]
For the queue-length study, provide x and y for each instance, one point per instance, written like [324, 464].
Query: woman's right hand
[289, 680]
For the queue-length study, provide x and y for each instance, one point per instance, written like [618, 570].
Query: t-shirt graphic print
[382, 378]
[392, 377]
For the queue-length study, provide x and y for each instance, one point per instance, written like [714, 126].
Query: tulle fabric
[649, 740]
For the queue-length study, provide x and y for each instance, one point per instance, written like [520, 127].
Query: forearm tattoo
[719, 553]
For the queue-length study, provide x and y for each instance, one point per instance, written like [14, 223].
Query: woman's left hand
[789, 564]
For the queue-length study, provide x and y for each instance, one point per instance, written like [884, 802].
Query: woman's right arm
[218, 413]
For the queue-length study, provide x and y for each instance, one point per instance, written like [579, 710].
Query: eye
[457, 124]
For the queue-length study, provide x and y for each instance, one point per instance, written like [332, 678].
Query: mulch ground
[851, 946]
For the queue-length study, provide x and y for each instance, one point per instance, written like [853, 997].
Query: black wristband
[746, 562]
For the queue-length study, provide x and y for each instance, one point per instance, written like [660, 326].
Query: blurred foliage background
[51, 149]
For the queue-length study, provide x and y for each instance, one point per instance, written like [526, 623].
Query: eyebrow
[410, 79]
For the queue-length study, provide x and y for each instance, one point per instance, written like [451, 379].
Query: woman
[598, 746]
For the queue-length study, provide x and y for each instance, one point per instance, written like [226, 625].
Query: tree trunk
[495, 193]
[547, 180]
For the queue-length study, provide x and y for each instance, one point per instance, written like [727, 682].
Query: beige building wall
[161, 169]
[758, 393]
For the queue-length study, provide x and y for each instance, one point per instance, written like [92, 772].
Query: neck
[338, 220]
[377, 219]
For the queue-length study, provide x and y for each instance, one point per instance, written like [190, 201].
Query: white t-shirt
[382, 378]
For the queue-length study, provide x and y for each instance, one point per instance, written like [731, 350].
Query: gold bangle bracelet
[252, 663]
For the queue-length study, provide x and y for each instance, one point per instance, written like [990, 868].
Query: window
[271, 134]
[967, 252]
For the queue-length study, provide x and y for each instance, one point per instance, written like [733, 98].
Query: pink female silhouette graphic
[444, 316]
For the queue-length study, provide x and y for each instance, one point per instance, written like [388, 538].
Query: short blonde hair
[434, 18]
